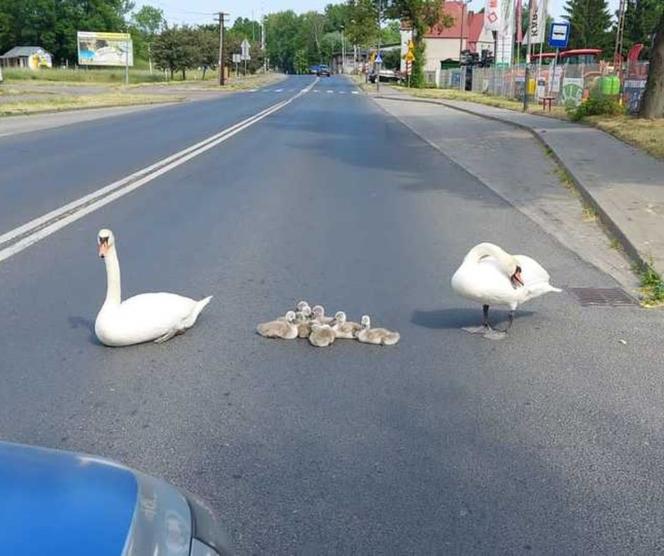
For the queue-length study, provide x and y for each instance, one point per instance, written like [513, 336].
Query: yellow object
[410, 56]
[411, 45]
[372, 58]
[532, 86]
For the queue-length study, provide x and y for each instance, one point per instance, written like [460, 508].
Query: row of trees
[594, 27]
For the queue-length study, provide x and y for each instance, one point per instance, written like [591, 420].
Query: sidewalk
[623, 184]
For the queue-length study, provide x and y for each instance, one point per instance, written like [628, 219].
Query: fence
[571, 84]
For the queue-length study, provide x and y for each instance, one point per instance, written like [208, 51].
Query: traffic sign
[379, 59]
[410, 56]
[372, 57]
[245, 46]
[559, 35]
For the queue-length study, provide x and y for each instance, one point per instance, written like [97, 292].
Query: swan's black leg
[493, 334]
[485, 328]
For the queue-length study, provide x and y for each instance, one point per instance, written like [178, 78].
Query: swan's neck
[113, 288]
[506, 261]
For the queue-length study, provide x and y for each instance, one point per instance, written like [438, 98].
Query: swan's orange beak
[103, 249]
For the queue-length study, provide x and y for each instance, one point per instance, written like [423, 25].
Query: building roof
[22, 51]
[472, 23]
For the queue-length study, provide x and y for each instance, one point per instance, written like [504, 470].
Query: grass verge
[57, 104]
[652, 286]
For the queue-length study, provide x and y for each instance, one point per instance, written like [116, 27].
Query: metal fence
[565, 85]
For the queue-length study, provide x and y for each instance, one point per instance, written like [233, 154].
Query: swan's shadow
[82, 322]
[460, 317]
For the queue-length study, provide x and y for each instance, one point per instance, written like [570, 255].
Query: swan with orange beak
[491, 276]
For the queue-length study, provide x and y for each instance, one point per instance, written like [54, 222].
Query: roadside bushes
[596, 105]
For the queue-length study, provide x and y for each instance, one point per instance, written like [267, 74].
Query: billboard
[104, 49]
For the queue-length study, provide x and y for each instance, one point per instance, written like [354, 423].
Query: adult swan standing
[143, 318]
[491, 276]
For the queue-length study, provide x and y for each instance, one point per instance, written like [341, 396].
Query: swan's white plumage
[142, 318]
[482, 277]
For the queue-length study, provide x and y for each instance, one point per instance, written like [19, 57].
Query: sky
[201, 11]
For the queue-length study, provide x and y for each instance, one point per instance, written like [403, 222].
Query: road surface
[550, 441]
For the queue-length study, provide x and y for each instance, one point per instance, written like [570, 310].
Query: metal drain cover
[602, 297]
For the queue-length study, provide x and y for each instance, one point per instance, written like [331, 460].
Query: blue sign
[379, 59]
[559, 34]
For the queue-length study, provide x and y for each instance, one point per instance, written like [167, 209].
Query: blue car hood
[55, 502]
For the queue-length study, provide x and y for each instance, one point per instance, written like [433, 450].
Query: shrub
[596, 106]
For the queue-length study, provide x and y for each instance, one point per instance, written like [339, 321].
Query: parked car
[313, 70]
[323, 70]
[385, 75]
[56, 502]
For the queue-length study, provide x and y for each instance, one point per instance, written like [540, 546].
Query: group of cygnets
[321, 330]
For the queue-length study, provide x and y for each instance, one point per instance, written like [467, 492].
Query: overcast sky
[201, 11]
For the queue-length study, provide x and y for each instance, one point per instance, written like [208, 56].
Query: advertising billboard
[104, 49]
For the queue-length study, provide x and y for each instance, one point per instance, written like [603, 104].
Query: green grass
[115, 75]
[79, 102]
[652, 286]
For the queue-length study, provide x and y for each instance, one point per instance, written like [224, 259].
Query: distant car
[314, 70]
[385, 75]
[56, 502]
[323, 70]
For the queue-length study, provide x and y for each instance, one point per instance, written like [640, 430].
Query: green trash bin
[609, 85]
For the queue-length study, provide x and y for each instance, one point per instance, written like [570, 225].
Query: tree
[421, 16]
[652, 103]
[283, 39]
[174, 50]
[590, 21]
[641, 17]
[362, 28]
[145, 24]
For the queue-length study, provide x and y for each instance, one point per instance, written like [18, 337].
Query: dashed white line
[278, 90]
[342, 92]
[316, 91]
[329, 91]
[354, 93]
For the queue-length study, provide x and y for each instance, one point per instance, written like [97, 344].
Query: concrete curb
[612, 228]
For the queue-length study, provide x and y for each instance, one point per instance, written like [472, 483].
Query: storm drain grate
[603, 297]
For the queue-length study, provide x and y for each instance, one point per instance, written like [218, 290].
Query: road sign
[379, 59]
[559, 35]
[372, 57]
[410, 56]
[237, 58]
[245, 46]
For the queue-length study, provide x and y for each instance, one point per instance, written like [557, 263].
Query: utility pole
[263, 44]
[527, 72]
[380, 10]
[222, 76]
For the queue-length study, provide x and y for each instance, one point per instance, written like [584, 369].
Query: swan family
[488, 275]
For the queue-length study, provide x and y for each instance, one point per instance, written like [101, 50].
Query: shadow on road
[82, 322]
[459, 317]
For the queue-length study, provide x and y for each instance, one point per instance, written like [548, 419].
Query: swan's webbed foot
[493, 334]
[477, 329]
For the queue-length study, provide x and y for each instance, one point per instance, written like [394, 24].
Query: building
[444, 44]
[28, 57]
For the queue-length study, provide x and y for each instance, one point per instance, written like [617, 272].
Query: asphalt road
[549, 442]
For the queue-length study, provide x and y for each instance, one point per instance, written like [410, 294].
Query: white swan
[143, 318]
[491, 276]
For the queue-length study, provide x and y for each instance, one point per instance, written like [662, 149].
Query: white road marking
[28, 234]
[329, 91]
[342, 92]
[354, 93]
[253, 90]
[278, 90]
[316, 91]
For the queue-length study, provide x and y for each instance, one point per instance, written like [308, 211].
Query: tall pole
[263, 45]
[127, 60]
[222, 76]
[527, 72]
[380, 8]
[463, 6]
[343, 52]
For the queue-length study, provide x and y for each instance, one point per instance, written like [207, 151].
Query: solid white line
[45, 225]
